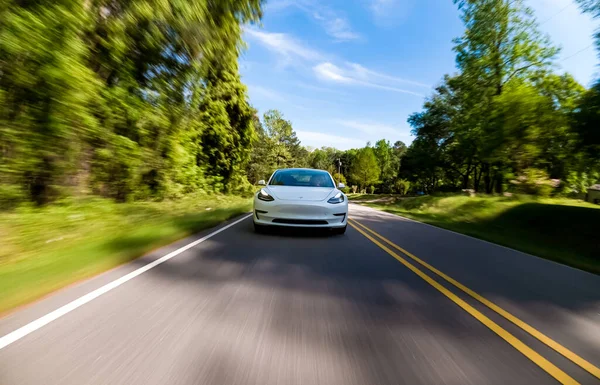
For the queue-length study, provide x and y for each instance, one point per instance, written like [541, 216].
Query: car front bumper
[300, 214]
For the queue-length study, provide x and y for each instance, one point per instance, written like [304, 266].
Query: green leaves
[134, 99]
[365, 168]
[504, 113]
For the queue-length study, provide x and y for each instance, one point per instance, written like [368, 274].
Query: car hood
[292, 193]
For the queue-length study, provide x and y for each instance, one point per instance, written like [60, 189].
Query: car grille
[309, 210]
[300, 221]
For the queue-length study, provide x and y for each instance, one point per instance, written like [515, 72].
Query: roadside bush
[576, 183]
[402, 186]
[372, 189]
[533, 181]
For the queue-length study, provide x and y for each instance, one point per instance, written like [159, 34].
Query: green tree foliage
[285, 145]
[128, 99]
[389, 159]
[325, 158]
[504, 115]
[262, 160]
[46, 93]
[275, 146]
[587, 121]
[365, 169]
[143, 100]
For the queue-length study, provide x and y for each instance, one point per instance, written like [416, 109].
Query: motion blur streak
[543, 363]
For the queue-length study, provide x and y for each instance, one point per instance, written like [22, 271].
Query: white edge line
[54, 315]
[477, 239]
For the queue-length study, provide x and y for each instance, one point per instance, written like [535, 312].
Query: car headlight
[264, 196]
[337, 198]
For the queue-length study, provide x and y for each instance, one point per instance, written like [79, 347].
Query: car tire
[340, 230]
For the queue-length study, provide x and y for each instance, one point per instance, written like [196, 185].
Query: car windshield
[307, 178]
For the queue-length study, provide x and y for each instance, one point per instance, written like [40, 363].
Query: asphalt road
[298, 307]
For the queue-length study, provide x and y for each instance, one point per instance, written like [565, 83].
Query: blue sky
[350, 71]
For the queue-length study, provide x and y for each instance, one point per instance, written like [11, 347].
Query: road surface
[305, 308]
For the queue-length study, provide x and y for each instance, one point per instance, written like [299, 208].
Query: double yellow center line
[543, 363]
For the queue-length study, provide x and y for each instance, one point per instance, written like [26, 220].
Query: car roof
[301, 169]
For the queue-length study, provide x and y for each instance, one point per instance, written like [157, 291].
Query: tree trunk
[465, 181]
[499, 182]
[477, 177]
[487, 180]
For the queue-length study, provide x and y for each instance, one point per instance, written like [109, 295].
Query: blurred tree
[587, 121]
[98, 91]
[47, 94]
[262, 161]
[501, 42]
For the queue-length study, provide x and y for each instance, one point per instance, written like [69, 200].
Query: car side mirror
[262, 182]
[341, 185]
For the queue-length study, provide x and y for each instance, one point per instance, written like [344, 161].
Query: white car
[301, 197]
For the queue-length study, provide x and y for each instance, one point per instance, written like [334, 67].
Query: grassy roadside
[563, 230]
[45, 249]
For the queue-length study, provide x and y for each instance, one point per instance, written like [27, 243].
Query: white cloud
[339, 28]
[374, 129]
[333, 22]
[358, 75]
[283, 45]
[319, 139]
[366, 74]
[329, 71]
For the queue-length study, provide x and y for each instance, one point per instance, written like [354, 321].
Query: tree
[46, 92]
[262, 163]
[384, 154]
[128, 99]
[286, 146]
[587, 121]
[501, 42]
[399, 150]
[320, 159]
[365, 169]
[275, 146]
[502, 112]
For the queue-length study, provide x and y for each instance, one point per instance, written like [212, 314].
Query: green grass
[44, 249]
[563, 230]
